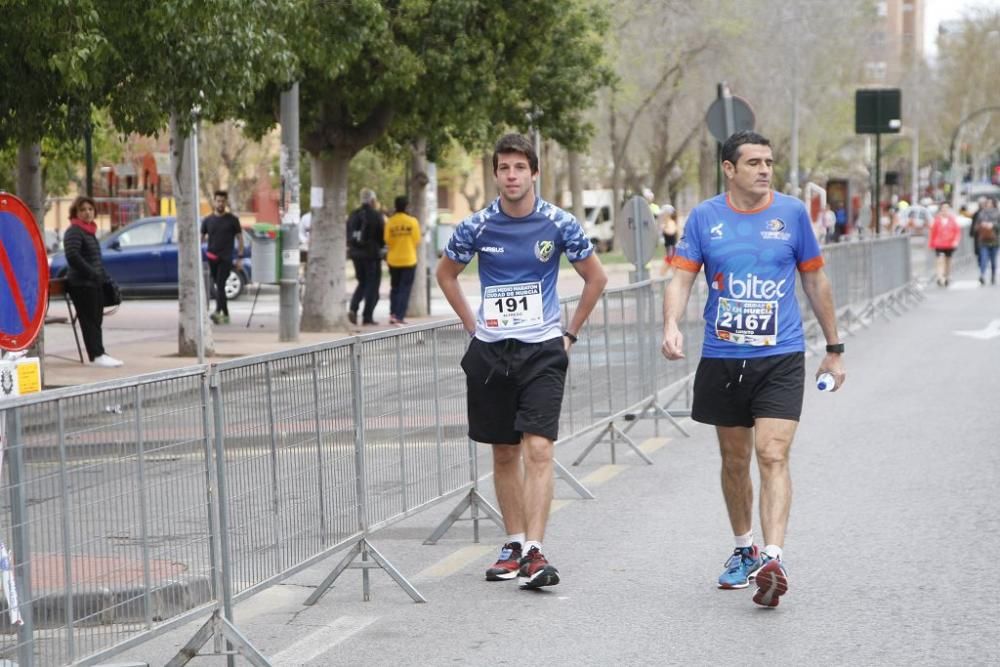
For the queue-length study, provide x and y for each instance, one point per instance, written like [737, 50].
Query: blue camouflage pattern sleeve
[462, 244]
[576, 245]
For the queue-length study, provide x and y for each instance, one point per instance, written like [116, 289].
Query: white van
[598, 217]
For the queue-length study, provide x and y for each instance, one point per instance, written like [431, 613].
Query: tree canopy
[390, 72]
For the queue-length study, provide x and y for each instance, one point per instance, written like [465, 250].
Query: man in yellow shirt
[402, 238]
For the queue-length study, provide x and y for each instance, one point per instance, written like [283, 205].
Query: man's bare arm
[447, 278]
[675, 299]
[818, 290]
[594, 281]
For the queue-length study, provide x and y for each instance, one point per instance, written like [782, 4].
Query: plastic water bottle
[826, 382]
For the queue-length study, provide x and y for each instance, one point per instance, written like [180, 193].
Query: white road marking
[317, 643]
[991, 330]
[962, 285]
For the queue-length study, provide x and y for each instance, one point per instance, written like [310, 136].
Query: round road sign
[637, 244]
[24, 275]
[715, 118]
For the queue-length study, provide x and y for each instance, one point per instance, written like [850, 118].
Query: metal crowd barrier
[137, 505]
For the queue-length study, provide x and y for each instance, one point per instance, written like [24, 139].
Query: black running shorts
[514, 388]
[735, 392]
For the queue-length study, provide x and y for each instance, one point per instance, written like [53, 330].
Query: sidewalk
[891, 545]
[143, 333]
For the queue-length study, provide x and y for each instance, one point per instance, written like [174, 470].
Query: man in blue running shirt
[516, 362]
[750, 380]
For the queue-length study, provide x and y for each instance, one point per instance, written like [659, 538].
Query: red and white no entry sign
[24, 275]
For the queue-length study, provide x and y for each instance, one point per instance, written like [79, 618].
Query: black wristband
[837, 348]
[571, 337]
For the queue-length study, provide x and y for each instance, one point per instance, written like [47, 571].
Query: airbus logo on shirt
[492, 249]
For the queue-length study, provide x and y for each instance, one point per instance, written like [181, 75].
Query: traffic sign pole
[24, 293]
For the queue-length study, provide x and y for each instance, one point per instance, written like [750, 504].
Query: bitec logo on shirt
[752, 287]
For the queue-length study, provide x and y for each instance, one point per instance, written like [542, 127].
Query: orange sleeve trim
[814, 264]
[770, 200]
[686, 264]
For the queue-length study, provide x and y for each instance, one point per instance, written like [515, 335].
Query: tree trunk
[323, 305]
[575, 185]
[489, 180]
[29, 179]
[548, 174]
[707, 166]
[29, 190]
[192, 321]
[419, 306]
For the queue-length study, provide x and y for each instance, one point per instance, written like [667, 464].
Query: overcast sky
[936, 11]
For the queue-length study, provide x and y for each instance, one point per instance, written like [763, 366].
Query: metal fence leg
[662, 412]
[364, 548]
[612, 430]
[658, 411]
[571, 480]
[472, 501]
[672, 415]
[217, 626]
[593, 443]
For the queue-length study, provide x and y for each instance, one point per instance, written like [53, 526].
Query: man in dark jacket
[365, 243]
[220, 231]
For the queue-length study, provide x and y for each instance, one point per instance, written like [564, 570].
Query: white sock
[532, 543]
[743, 541]
[517, 537]
[773, 551]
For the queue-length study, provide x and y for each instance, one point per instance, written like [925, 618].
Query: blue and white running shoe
[741, 567]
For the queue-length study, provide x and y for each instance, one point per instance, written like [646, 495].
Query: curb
[107, 607]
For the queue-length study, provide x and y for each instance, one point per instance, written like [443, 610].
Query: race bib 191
[512, 305]
[747, 322]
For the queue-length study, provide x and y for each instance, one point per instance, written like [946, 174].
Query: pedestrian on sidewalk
[365, 247]
[943, 238]
[749, 382]
[402, 238]
[516, 362]
[221, 231]
[85, 279]
[987, 230]
[670, 232]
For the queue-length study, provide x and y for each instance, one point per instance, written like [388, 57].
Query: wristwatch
[836, 348]
[572, 338]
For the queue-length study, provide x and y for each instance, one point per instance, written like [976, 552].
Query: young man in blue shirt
[750, 380]
[517, 359]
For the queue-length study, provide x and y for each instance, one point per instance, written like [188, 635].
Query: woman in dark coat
[86, 277]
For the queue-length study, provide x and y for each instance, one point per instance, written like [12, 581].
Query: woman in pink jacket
[943, 239]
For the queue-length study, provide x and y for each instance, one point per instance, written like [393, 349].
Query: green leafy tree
[415, 72]
[148, 64]
[220, 53]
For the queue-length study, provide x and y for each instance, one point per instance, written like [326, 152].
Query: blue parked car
[142, 259]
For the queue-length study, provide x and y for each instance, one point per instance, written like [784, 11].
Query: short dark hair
[220, 193]
[82, 199]
[731, 149]
[515, 143]
[401, 202]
